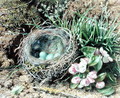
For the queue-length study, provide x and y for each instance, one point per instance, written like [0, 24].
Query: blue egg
[42, 55]
[49, 56]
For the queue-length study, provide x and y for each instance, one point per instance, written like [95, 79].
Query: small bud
[76, 80]
[85, 82]
[82, 66]
[72, 70]
[110, 59]
[92, 74]
[91, 80]
[103, 52]
[100, 85]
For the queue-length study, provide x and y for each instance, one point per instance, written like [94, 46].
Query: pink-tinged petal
[105, 59]
[81, 68]
[110, 59]
[83, 61]
[72, 70]
[91, 80]
[80, 86]
[85, 82]
[100, 85]
[76, 67]
[103, 52]
[76, 80]
[92, 74]
[75, 64]
[86, 59]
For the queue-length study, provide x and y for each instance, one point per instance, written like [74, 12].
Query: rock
[29, 96]
[8, 83]
[113, 2]
[24, 78]
[5, 64]
[3, 96]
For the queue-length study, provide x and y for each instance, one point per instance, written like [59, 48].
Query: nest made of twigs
[56, 67]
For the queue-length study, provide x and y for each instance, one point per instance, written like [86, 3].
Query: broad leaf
[101, 77]
[88, 87]
[77, 75]
[106, 91]
[88, 51]
[99, 65]
[94, 60]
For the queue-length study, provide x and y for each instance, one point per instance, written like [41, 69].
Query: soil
[32, 89]
[17, 76]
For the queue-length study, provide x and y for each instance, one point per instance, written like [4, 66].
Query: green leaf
[88, 51]
[112, 78]
[106, 91]
[88, 87]
[73, 86]
[17, 90]
[101, 77]
[99, 65]
[94, 60]
[76, 75]
[81, 75]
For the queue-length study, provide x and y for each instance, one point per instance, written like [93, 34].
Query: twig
[43, 81]
[61, 77]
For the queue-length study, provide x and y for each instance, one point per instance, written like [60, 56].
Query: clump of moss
[18, 15]
[53, 8]
[22, 12]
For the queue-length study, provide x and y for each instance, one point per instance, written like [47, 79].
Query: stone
[24, 78]
[8, 83]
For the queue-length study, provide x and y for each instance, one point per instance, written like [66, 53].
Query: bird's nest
[47, 53]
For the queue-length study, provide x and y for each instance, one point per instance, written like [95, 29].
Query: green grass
[92, 32]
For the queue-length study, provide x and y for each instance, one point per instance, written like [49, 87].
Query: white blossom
[100, 85]
[76, 80]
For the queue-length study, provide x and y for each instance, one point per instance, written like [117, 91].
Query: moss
[18, 15]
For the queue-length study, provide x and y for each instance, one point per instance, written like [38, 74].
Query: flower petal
[92, 74]
[72, 70]
[100, 85]
[91, 80]
[84, 61]
[76, 80]
[105, 59]
[85, 82]
[110, 59]
[80, 86]
[82, 66]
[103, 52]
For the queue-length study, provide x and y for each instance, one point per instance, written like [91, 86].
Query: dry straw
[48, 69]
